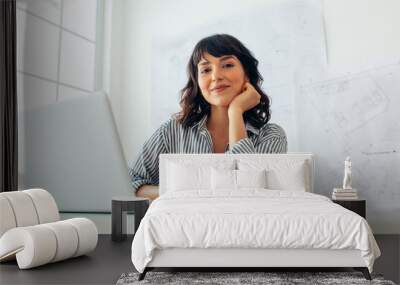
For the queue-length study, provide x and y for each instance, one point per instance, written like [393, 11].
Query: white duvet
[253, 218]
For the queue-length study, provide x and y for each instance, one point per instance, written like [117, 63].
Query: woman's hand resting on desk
[246, 100]
[148, 191]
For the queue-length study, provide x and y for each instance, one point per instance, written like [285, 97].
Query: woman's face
[220, 79]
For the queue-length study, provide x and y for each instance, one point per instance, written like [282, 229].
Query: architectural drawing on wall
[329, 113]
[349, 102]
[291, 31]
[356, 114]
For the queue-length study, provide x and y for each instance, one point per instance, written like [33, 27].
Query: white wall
[359, 34]
[123, 70]
[113, 44]
[362, 32]
[133, 27]
[57, 57]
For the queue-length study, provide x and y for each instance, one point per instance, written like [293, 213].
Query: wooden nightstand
[358, 206]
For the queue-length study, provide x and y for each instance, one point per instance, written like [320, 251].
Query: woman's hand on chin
[246, 100]
[148, 191]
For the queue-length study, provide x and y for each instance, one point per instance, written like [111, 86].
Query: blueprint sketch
[352, 112]
[356, 114]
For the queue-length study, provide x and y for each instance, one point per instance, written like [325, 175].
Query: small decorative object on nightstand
[347, 192]
[358, 206]
[120, 206]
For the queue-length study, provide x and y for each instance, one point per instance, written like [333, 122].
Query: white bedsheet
[252, 218]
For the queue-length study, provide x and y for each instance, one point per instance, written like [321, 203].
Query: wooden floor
[110, 260]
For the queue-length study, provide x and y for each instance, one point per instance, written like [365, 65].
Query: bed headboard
[211, 159]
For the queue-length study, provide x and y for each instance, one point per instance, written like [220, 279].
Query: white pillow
[251, 178]
[282, 174]
[288, 178]
[227, 179]
[188, 175]
[223, 179]
[183, 177]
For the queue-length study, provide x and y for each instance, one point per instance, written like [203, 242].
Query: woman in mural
[223, 110]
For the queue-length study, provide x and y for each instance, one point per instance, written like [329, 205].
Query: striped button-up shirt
[172, 137]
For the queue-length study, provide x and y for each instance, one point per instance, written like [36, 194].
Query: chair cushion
[40, 244]
[45, 205]
[27, 208]
[7, 215]
[23, 208]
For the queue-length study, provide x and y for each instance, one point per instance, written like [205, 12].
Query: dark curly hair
[195, 107]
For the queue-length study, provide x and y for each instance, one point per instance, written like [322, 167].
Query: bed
[248, 210]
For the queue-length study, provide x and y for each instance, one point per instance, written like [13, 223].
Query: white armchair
[31, 230]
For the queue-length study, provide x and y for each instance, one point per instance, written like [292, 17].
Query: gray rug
[270, 278]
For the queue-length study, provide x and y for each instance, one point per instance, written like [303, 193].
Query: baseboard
[102, 221]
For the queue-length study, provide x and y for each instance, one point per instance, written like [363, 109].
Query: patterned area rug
[270, 278]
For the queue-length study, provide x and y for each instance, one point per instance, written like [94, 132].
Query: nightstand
[358, 206]
[120, 206]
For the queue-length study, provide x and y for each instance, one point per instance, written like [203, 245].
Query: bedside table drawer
[357, 206]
